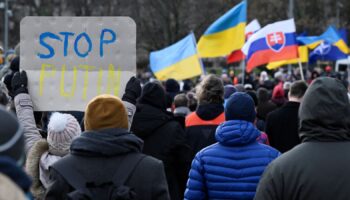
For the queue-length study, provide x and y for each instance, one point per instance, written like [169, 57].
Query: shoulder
[272, 152]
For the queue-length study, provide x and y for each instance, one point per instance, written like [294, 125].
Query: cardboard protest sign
[70, 60]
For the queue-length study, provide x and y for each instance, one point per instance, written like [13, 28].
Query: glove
[19, 83]
[132, 90]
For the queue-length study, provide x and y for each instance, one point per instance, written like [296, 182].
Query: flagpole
[301, 71]
[243, 70]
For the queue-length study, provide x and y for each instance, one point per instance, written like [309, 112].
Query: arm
[132, 92]
[196, 188]
[130, 109]
[24, 109]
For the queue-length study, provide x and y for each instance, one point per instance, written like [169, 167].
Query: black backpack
[114, 189]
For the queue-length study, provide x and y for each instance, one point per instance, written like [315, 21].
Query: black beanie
[153, 94]
[240, 106]
[11, 136]
[14, 66]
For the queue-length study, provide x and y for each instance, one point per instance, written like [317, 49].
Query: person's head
[239, 88]
[253, 95]
[263, 95]
[14, 65]
[62, 129]
[153, 94]
[11, 137]
[192, 101]
[324, 112]
[240, 106]
[105, 111]
[210, 90]
[229, 90]
[297, 91]
[181, 100]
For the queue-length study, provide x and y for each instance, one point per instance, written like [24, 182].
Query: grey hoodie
[318, 168]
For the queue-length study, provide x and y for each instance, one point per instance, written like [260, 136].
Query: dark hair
[181, 100]
[263, 95]
[298, 89]
[252, 94]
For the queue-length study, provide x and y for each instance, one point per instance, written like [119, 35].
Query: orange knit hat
[105, 111]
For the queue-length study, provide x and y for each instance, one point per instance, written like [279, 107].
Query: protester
[263, 137]
[13, 68]
[282, 124]
[231, 168]
[62, 129]
[265, 106]
[228, 91]
[278, 96]
[317, 168]
[12, 158]
[201, 124]
[163, 137]
[181, 105]
[106, 159]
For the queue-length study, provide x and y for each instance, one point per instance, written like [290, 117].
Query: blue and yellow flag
[326, 51]
[226, 34]
[331, 36]
[178, 61]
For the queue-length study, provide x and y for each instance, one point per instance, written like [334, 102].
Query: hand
[19, 83]
[132, 90]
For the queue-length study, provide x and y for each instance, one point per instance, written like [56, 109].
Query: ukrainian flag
[226, 34]
[178, 61]
[303, 57]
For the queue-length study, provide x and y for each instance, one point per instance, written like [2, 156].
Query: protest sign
[70, 60]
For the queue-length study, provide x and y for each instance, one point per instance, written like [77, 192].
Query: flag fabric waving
[331, 35]
[250, 29]
[303, 53]
[274, 42]
[326, 51]
[226, 34]
[178, 61]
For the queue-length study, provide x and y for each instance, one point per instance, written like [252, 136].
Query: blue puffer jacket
[231, 168]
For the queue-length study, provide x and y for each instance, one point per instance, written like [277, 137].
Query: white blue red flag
[272, 43]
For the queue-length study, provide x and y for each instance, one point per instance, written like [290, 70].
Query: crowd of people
[270, 138]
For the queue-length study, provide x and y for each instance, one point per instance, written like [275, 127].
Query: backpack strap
[127, 168]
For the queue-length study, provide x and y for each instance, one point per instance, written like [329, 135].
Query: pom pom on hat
[62, 129]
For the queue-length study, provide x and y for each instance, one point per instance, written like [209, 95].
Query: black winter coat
[318, 168]
[95, 155]
[282, 127]
[164, 139]
[202, 134]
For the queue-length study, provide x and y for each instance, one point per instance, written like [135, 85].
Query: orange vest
[194, 120]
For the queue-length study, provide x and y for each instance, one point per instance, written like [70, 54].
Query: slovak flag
[250, 29]
[272, 43]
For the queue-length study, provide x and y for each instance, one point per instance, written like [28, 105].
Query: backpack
[113, 189]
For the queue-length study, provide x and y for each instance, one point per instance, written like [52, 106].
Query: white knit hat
[62, 129]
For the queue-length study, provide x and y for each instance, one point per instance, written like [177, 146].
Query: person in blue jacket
[231, 168]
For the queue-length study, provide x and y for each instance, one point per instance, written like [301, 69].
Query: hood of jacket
[236, 133]
[325, 112]
[106, 143]
[147, 119]
[209, 111]
[10, 168]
